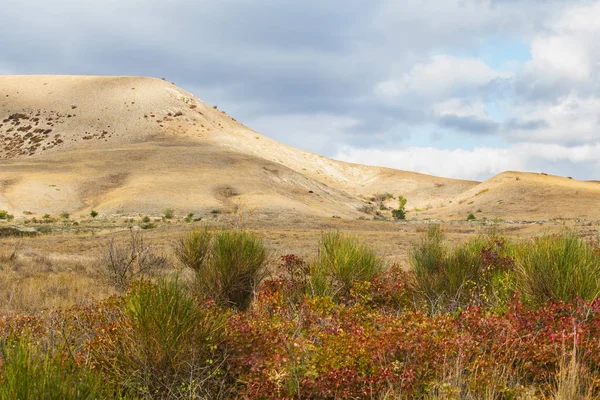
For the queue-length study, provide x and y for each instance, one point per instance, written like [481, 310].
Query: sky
[456, 88]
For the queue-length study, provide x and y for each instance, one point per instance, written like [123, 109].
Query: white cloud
[481, 163]
[571, 120]
[443, 76]
[559, 57]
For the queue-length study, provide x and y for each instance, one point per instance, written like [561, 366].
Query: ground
[64, 266]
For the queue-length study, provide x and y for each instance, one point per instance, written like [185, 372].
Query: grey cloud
[526, 125]
[471, 125]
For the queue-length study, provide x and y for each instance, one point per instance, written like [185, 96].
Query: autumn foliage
[381, 339]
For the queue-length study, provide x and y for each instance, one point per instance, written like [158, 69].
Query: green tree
[400, 213]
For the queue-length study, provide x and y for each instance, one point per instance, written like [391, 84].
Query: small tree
[169, 213]
[400, 213]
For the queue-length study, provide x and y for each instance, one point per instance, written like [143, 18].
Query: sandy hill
[141, 145]
[530, 196]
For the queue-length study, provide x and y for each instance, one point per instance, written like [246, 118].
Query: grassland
[459, 311]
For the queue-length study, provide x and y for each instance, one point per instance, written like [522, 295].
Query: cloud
[473, 125]
[481, 163]
[320, 132]
[440, 78]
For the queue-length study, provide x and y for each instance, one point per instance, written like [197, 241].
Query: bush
[400, 213]
[558, 268]
[3, 214]
[236, 265]
[169, 213]
[192, 249]
[166, 346]
[93, 213]
[471, 217]
[64, 215]
[29, 372]
[125, 262]
[448, 279]
[367, 209]
[342, 262]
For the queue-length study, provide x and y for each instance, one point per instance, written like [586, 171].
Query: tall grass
[343, 260]
[236, 265]
[193, 249]
[558, 267]
[167, 345]
[448, 278]
[31, 372]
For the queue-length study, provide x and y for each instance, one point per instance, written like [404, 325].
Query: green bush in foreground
[343, 261]
[558, 267]
[478, 272]
[166, 346]
[236, 264]
[31, 372]
[193, 249]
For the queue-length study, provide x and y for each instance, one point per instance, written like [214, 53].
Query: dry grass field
[64, 266]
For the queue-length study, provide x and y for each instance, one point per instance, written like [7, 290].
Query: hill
[525, 196]
[141, 145]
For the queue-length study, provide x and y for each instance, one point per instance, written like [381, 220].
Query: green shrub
[236, 266]
[169, 213]
[471, 217]
[3, 214]
[192, 249]
[558, 267]
[189, 218]
[343, 261]
[146, 219]
[167, 346]
[30, 372]
[64, 215]
[447, 279]
[93, 213]
[400, 213]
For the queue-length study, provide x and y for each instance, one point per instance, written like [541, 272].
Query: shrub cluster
[484, 319]
[227, 264]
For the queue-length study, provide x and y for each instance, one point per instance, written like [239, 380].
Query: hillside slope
[524, 196]
[141, 145]
[132, 144]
